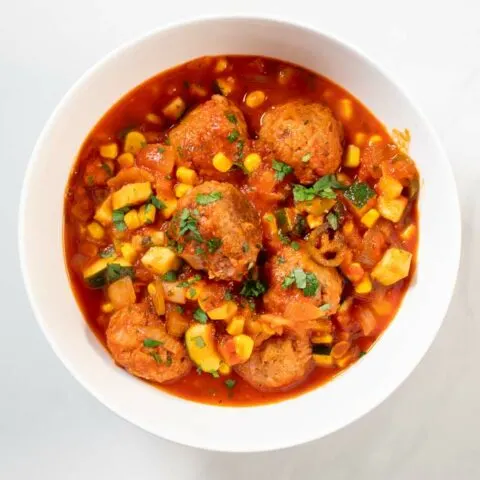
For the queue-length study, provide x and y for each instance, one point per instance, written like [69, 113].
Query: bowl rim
[455, 252]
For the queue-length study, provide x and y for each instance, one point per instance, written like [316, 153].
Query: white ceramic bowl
[307, 417]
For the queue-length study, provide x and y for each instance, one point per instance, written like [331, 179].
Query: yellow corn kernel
[360, 139]
[221, 65]
[285, 75]
[174, 110]
[348, 227]
[126, 160]
[325, 339]
[131, 194]
[392, 209]
[110, 150]
[95, 230]
[394, 265]
[134, 142]
[243, 346]
[252, 162]
[132, 220]
[323, 360]
[170, 207]
[389, 187]
[375, 139]
[314, 221]
[344, 178]
[107, 307]
[370, 218]
[224, 369]
[224, 312]
[146, 214]
[160, 260]
[153, 118]
[352, 157]
[158, 239]
[151, 289]
[128, 252]
[345, 109]
[197, 90]
[270, 224]
[364, 286]
[267, 329]
[409, 232]
[255, 99]
[187, 175]
[182, 189]
[225, 85]
[221, 162]
[236, 325]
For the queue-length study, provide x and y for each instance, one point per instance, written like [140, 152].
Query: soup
[239, 230]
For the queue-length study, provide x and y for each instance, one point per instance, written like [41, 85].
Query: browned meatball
[219, 229]
[283, 265]
[279, 364]
[215, 126]
[305, 136]
[138, 342]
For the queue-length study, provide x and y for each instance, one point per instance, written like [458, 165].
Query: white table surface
[51, 428]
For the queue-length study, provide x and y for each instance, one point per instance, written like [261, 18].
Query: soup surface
[238, 230]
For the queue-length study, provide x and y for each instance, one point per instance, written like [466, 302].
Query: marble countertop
[50, 427]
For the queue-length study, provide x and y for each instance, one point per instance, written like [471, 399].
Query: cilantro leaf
[305, 281]
[170, 276]
[253, 288]
[233, 135]
[311, 286]
[199, 342]
[230, 383]
[107, 252]
[157, 203]
[231, 117]
[207, 198]
[213, 244]
[332, 219]
[151, 343]
[188, 223]
[115, 272]
[321, 188]
[200, 316]
[281, 170]
[359, 193]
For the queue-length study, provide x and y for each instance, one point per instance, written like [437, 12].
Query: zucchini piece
[98, 274]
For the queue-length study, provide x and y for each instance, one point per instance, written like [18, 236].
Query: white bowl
[312, 415]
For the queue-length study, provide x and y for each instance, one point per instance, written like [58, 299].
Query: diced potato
[370, 218]
[392, 209]
[160, 260]
[345, 109]
[174, 110]
[285, 75]
[375, 139]
[126, 160]
[174, 293]
[182, 189]
[221, 162]
[409, 232]
[323, 360]
[121, 293]
[200, 342]
[389, 187]
[243, 346]
[155, 290]
[252, 162]
[187, 175]
[352, 157]
[95, 230]
[128, 252]
[103, 214]
[170, 207]
[314, 221]
[132, 220]
[394, 265]
[146, 214]
[159, 239]
[224, 312]
[107, 307]
[382, 307]
[236, 325]
[255, 99]
[153, 118]
[134, 142]
[364, 286]
[110, 150]
[198, 90]
[131, 194]
[224, 369]
[176, 323]
[226, 85]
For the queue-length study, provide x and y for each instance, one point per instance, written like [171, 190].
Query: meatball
[279, 364]
[219, 229]
[305, 136]
[215, 126]
[139, 343]
[282, 265]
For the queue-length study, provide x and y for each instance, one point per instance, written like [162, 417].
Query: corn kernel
[345, 109]
[252, 162]
[221, 162]
[314, 221]
[146, 214]
[255, 99]
[151, 289]
[389, 187]
[182, 189]
[107, 307]
[243, 346]
[354, 272]
[170, 207]
[134, 142]
[224, 369]
[158, 238]
[370, 218]
[224, 312]
[360, 139]
[187, 175]
[174, 110]
[95, 230]
[126, 160]
[375, 139]
[132, 220]
[221, 65]
[323, 360]
[348, 227]
[285, 75]
[128, 252]
[225, 85]
[110, 150]
[236, 325]
[365, 285]
[352, 158]
[325, 339]
[409, 232]
[153, 118]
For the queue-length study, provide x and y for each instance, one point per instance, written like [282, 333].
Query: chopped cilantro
[231, 117]
[295, 246]
[281, 260]
[188, 223]
[253, 288]
[151, 343]
[245, 247]
[160, 149]
[233, 135]
[192, 292]
[213, 244]
[311, 286]
[90, 180]
[321, 188]
[359, 193]
[200, 316]
[116, 271]
[107, 252]
[157, 203]
[230, 383]
[156, 357]
[239, 154]
[281, 170]
[108, 169]
[179, 308]
[207, 198]
[214, 374]
[170, 276]
[332, 219]
[199, 342]
[118, 219]
[306, 158]
[283, 238]
[307, 282]
[193, 280]
[228, 295]
[199, 251]
[169, 359]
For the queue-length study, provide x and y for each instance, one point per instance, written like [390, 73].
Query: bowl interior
[304, 418]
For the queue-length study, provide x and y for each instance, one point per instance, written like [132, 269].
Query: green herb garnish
[253, 288]
[170, 276]
[332, 219]
[213, 244]
[118, 219]
[233, 135]
[228, 295]
[200, 316]
[295, 246]
[156, 357]
[245, 247]
[230, 383]
[116, 271]
[359, 193]
[107, 168]
[307, 282]
[151, 343]
[281, 170]
[157, 203]
[207, 198]
[214, 374]
[107, 252]
[199, 342]
[188, 223]
[231, 117]
[321, 188]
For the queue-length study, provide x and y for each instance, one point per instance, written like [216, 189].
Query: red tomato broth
[250, 74]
